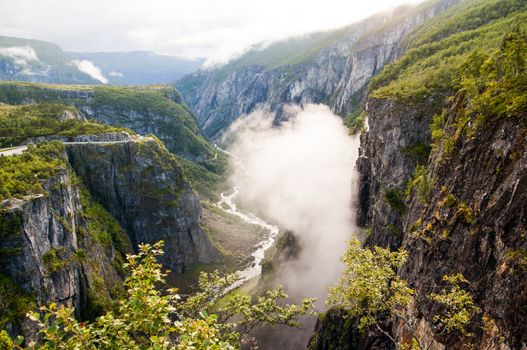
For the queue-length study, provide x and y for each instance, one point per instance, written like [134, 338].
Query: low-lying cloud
[301, 175]
[21, 55]
[91, 69]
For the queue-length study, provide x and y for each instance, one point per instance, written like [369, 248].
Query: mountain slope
[139, 67]
[330, 68]
[39, 61]
[442, 167]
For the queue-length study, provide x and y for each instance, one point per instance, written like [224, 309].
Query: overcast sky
[215, 29]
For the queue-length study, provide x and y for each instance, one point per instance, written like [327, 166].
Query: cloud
[202, 28]
[116, 74]
[91, 69]
[302, 176]
[20, 54]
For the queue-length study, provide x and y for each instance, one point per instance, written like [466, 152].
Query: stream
[227, 204]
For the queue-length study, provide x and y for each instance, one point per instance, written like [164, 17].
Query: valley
[207, 207]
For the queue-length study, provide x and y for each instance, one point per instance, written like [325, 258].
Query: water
[227, 204]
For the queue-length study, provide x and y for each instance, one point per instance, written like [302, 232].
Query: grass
[437, 49]
[14, 302]
[19, 123]
[23, 175]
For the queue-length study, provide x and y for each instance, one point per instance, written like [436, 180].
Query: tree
[458, 305]
[150, 316]
[369, 287]
[372, 291]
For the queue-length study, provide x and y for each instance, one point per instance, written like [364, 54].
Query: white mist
[302, 176]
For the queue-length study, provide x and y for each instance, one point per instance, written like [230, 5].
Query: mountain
[39, 61]
[79, 190]
[139, 67]
[441, 168]
[329, 67]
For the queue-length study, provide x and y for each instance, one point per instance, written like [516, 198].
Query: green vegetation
[370, 290]
[52, 64]
[24, 175]
[206, 182]
[14, 303]
[459, 307]
[466, 213]
[420, 151]
[292, 51]
[152, 318]
[55, 259]
[148, 100]
[394, 197]
[355, 121]
[101, 225]
[433, 64]
[19, 123]
[369, 285]
[159, 108]
[421, 184]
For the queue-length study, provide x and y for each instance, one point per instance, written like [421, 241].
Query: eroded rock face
[49, 249]
[386, 162]
[479, 231]
[142, 186]
[44, 248]
[472, 221]
[336, 76]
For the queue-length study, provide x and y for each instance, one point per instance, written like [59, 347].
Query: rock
[142, 185]
[336, 75]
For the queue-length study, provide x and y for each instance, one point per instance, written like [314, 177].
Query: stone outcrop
[141, 184]
[63, 246]
[45, 249]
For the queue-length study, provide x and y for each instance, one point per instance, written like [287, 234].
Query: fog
[301, 176]
[91, 69]
[216, 30]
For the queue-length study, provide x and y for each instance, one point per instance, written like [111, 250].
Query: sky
[213, 29]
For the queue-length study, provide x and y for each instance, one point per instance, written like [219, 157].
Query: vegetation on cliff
[370, 290]
[22, 175]
[21, 122]
[150, 317]
[431, 68]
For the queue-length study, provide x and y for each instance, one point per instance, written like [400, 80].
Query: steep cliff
[57, 246]
[142, 185]
[442, 171]
[70, 209]
[329, 67]
[155, 109]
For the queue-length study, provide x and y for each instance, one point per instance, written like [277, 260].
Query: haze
[301, 175]
[213, 29]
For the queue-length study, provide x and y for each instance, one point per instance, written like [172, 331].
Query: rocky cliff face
[472, 220]
[47, 251]
[156, 109]
[142, 185]
[474, 223]
[388, 155]
[67, 244]
[335, 75]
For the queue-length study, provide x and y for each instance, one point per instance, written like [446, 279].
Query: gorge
[406, 129]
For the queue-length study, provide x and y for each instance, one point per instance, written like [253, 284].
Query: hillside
[154, 109]
[331, 68]
[139, 67]
[38, 61]
[441, 165]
